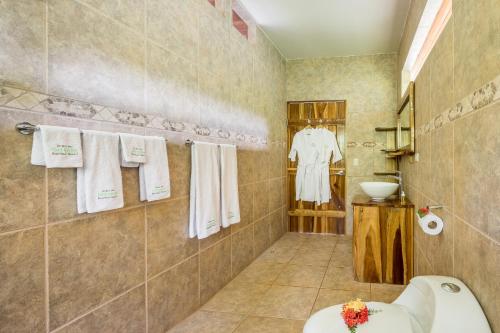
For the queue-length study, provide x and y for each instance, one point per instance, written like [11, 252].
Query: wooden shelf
[385, 129]
[316, 122]
[317, 213]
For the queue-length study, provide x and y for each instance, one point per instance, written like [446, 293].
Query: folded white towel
[204, 215]
[99, 182]
[154, 175]
[57, 147]
[132, 150]
[230, 203]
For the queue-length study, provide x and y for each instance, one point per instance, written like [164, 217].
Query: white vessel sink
[379, 191]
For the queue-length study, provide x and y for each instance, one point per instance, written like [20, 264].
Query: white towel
[154, 175]
[99, 182]
[230, 204]
[132, 150]
[57, 147]
[204, 210]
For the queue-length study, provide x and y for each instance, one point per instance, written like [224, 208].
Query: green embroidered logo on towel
[63, 150]
[107, 194]
[136, 151]
[160, 190]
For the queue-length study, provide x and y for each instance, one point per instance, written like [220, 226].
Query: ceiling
[327, 28]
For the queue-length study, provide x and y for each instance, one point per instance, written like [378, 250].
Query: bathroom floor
[295, 277]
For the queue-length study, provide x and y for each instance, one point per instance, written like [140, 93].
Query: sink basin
[379, 191]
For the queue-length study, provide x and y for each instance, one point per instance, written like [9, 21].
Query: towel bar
[26, 128]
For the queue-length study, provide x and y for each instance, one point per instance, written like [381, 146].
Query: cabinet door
[397, 244]
[367, 254]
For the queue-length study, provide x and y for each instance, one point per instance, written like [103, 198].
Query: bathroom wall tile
[173, 296]
[247, 164]
[215, 268]
[255, 324]
[423, 96]
[125, 314]
[209, 322]
[246, 207]
[275, 193]
[441, 174]
[241, 249]
[276, 160]
[211, 240]
[215, 100]
[22, 185]
[438, 250]
[476, 149]
[476, 57]
[286, 302]
[61, 194]
[131, 187]
[260, 199]
[275, 225]
[441, 72]
[128, 12]
[365, 158]
[172, 86]
[83, 276]
[94, 59]
[261, 235]
[168, 239]
[424, 171]
[23, 281]
[477, 265]
[174, 25]
[329, 297]
[23, 24]
[213, 46]
[422, 265]
[262, 166]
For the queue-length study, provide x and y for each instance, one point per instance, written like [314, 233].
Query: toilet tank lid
[455, 309]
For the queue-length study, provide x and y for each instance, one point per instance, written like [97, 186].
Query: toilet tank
[443, 304]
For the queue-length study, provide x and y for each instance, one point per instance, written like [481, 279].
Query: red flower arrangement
[423, 211]
[355, 313]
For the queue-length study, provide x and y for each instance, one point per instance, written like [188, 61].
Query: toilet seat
[392, 319]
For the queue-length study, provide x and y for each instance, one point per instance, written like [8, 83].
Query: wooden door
[307, 216]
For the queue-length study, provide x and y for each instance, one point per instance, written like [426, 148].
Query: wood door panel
[307, 216]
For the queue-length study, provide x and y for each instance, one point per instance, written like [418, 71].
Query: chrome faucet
[398, 175]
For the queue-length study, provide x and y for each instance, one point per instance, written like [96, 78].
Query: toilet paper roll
[431, 224]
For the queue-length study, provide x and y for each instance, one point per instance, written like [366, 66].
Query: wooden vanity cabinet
[383, 241]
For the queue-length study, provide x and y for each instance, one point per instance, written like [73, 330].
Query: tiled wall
[457, 112]
[368, 85]
[133, 269]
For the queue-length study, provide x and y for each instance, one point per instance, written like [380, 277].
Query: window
[240, 24]
[432, 23]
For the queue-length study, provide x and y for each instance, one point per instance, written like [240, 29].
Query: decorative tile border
[22, 99]
[482, 97]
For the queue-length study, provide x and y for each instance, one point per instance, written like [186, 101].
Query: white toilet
[429, 304]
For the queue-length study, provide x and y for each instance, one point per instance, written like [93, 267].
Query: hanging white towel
[204, 216]
[230, 204]
[57, 147]
[132, 150]
[154, 176]
[99, 182]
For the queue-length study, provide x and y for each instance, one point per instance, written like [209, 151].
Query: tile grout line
[96, 308]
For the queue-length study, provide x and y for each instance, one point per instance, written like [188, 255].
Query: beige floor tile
[286, 302]
[312, 257]
[290, 240]
[329, 297]
[270, 325]
[343, 278]
[278, 253]
[209, 322]
[386, 293]
[301, 276]
[341, 259]
[260, 272]
[237, 297]
[320, 243]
